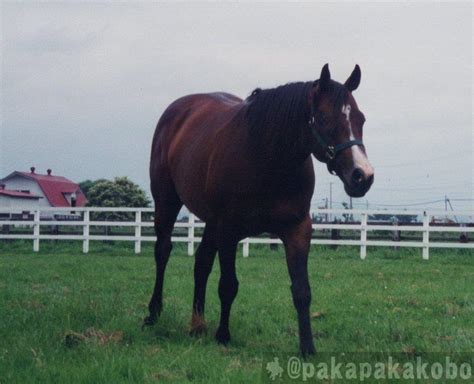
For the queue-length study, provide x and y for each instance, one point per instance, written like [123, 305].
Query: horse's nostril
[357, 176]
[370, 179]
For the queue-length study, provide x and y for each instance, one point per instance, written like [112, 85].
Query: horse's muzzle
[359, 183]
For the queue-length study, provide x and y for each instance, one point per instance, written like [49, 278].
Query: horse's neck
[289, 152]
[278, 134]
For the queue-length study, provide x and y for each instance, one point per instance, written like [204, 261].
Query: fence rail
[34, 219]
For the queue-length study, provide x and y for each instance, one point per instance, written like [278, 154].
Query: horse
[244, 167]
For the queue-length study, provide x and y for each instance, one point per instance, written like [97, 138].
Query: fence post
[191, 234]
[138, 231]
[463, 237]
[36, 231]
[85, 231]
[396, 234]
[363, 236]
[426, 236]
[245, 247]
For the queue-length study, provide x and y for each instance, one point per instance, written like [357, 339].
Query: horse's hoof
[223, 336]
[308, 350]
[198, 325]
[148, 321]
[198, 330]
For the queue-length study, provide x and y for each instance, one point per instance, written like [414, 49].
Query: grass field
[73, 318]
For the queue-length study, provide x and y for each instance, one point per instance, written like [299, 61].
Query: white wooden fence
[37, 221]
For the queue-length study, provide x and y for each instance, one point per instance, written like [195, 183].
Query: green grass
[73, 318]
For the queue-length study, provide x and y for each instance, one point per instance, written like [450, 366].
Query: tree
[86, 185]
[121, 192]
[389, 217]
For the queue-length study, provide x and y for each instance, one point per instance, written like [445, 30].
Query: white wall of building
[10, 201]
[20, 183]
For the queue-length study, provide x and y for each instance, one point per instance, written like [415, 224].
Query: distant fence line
[81, 217]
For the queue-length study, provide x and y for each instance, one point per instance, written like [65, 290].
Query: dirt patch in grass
[92, 335]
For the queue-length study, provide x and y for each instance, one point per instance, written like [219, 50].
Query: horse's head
[336, 128]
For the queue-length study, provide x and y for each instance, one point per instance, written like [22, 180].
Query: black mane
[275, 118]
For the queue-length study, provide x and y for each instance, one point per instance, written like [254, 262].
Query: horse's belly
[266, 215]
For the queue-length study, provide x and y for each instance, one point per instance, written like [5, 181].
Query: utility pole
[351, 217]
[326, 206]
[445, 207]
[452, 209]
[330, 199]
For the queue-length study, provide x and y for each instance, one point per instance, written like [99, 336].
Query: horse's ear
[354, 79]
[325, 77]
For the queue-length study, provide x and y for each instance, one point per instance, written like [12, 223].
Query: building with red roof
[29, 189]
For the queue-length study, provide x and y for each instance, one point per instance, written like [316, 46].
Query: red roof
[27, 195]
[55, 188]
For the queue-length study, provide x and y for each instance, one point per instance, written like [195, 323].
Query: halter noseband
[330, 151]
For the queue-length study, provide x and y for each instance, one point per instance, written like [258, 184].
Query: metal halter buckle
[330, 152]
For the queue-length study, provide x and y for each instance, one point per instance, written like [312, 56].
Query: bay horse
[244, 167]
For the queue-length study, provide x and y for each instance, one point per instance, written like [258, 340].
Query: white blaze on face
[358, 157]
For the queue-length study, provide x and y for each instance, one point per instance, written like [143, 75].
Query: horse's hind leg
[204, 260]
[167, 207]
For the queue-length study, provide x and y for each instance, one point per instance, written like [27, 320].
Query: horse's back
[185, 110]
[184, 141]
[188, 108]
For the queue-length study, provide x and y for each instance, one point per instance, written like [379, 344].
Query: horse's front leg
[297, 241]
[228, 285]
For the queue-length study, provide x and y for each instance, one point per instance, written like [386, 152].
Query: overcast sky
[83, 84]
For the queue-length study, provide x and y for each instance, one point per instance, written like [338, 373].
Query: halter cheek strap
[330, 151]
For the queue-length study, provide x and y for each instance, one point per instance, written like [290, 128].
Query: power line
[409, 204]
[417, 186]
[417, 162]
[394, 205]
[416, 204]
